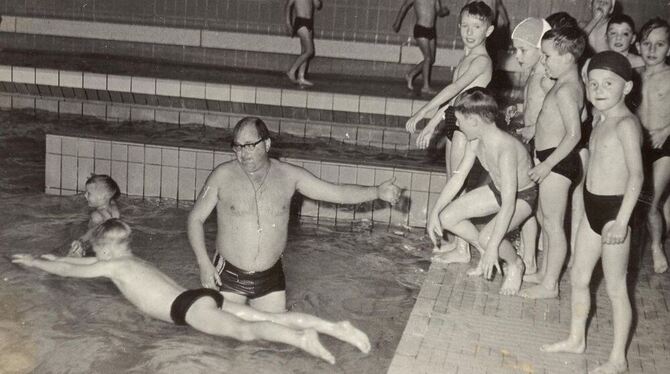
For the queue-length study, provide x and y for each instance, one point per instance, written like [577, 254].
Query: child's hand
[76, 249]
[539, 172]
[490, 261]
[434, 228]
[49, 257]
[410, 126]
[527, 133]
[23, 259]
[659, 136]
[614, 232]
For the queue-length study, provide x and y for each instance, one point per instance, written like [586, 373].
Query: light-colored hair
[112, 231]
[106, 181]
[653, 24]
[477, 101]
[570, 40]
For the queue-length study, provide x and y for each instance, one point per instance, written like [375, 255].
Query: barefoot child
[101, 195]
[474, 70]
[303, 26]
[596, 28]
[654, 113]
[614, 180]
[155, 294]
[510, 195]
[557, 133]
[426, 12]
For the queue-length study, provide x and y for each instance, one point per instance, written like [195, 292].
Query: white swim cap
[530, 30]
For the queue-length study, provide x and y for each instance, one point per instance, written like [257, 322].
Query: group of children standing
[586, 137]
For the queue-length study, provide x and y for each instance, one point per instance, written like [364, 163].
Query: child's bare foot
[610, 368]
[476, 271]
[513, 277]
[458, 256]
[304, 82]
[409, 79]
[539, 291]
[310, 343]
[350, 334]
[660, 261]
[428, 91]
[533, 278]
[568, 345]
[291, 76]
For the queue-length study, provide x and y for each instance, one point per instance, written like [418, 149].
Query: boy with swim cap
[654, 113]
[155, 294]
[613, 184]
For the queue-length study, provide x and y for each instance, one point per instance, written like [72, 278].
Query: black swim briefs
[529, 195]
[424, 32]
[652, 154]
[251, 284]
[569, 167]
[300, 22]
[600, 209]
[183, 302]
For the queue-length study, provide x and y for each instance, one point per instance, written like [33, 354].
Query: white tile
[268, 96]
[95, 81]
[119, 83]
[71, 79]
[46, 76]
[294, 98]
[399, 107]
[346, 103]
[216, 91]
[193, 90]
[372, 104]
[143, 85]
[53, 143]
[242, 94]
[167, 87]
[22, 74]
[320, 100]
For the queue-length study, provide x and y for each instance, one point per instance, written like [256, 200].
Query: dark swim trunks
[450, 126]
[652, 154]
[600, 209]
[424, 32]
[183, 302]
[569, 167]
[251, 284]
[300, 22]
[529, 195]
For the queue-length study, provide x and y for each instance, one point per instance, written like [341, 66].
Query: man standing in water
[252, 196]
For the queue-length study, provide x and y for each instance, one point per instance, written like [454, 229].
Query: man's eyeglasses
[237, 147]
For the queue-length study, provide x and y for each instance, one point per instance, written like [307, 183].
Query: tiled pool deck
[461, 325]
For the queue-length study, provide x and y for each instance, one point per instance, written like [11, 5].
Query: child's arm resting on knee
[64, 268]
[630, 136]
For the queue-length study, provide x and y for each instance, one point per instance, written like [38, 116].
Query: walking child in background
[614, 181]
[160, 297]
[101, 195]
[654, 113]
[426, 11]
[301, 25]
[596, 28]
[557, 164]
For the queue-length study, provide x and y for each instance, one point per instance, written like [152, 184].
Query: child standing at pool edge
[613, 184]
[101, 194]
[303, 26]
[160, 297]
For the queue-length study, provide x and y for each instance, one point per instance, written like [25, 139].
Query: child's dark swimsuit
[183, 302]
[302, 22]
[529, 195]
[569, 167]
[654, 154]
[450, 126]
[424, 32]
[252, 284]
[601, 209]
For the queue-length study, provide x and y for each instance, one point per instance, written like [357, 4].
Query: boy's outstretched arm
[401, 14]
[480, 65]
[630, 135]
[64, 269]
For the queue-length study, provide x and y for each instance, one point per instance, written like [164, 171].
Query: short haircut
[567, 40]
[653, 24]
[113, 231]
[561, 19]
[106, 181]
[478, 9]
[477, 101]
[258, 123]
[620, 18]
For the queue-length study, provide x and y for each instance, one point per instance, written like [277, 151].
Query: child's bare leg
[577, 204]
[587, 252]
[528, 243]
[615, 265]
[206, 317]
[553, 195]
[426, 47]
[307, 52]
[661, 177]
[541, 243]
[343, 330]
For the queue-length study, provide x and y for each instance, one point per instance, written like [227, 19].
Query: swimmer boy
[511, 195]
[613, 182]
[160, 297]
[303, 26]
[424, 33]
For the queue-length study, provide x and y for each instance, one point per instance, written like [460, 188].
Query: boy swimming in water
[511, 195]
[614, 181]
[101, 195]
[157, 295]
[301, 25]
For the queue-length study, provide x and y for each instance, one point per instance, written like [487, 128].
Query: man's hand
[434, 227]
[23, 259]
[614, 232]
[389, 192]
[539, 172]
[490, 261]
[209, 277]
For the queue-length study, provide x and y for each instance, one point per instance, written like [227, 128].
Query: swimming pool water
[368, 275]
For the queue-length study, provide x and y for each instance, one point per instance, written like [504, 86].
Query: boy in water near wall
[426, 12]
[301, 25]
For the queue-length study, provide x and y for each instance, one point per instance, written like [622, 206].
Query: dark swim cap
[614, 62]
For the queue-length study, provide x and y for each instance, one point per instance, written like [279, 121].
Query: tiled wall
[159, 171]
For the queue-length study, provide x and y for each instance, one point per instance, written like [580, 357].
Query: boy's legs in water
[427, 47]
[301, 62]
[588, 250]
[661, 178]
[553, 201]
[577, 204]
